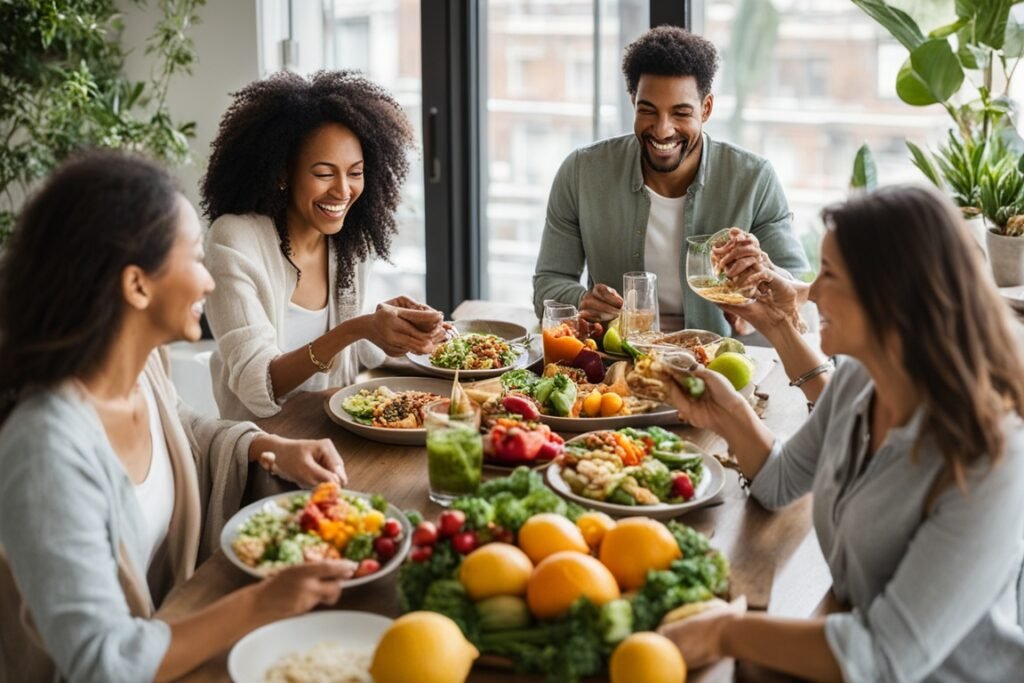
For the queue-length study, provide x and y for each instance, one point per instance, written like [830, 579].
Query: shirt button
[636, 254]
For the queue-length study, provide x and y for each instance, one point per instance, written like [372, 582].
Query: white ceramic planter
[976, 226]
[1006, 254]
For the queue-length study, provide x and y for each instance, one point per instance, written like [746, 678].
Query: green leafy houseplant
[959, 66]
[62, 88]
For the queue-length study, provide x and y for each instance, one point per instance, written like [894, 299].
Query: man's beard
[664, 168]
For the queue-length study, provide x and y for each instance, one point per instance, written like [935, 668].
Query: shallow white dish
[401, 437]
[1013, 296]
[230, 531]
[710, 484]
[256, 653]
[528, 355]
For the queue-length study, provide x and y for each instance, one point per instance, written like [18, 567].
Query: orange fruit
[647, 657]
[636, 546]
[563, 578]
[592, 404]
[548, 533]
[495, 569]
[594, 525]
[611, 404]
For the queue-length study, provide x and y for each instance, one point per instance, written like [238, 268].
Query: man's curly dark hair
[670, 51]
[259, 139]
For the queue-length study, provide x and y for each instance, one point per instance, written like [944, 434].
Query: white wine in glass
[703, 276]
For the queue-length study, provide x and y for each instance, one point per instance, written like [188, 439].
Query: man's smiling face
[668, 117]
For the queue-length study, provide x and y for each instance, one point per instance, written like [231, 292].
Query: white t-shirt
[156, 492]
[663, 248]
[301, 327]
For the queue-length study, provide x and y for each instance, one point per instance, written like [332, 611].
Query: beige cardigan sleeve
[220, 449]
[240, 311]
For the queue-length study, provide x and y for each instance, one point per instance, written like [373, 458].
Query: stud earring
[281, 187]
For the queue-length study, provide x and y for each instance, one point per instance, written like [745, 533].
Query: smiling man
[628, 203]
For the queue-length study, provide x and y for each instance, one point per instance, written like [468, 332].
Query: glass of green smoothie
[455, 451]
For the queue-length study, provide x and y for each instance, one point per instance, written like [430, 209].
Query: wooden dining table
[774, 556]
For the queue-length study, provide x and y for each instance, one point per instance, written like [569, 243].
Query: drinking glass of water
[639, 317]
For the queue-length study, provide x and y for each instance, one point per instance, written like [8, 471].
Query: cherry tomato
[425, 534]
[450, 522]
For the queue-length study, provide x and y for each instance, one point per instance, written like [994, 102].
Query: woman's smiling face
[844, 323]
[325, 180]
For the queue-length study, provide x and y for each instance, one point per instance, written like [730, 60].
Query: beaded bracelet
[811, 374]
[323, 367]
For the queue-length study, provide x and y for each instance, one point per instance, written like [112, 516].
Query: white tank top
[301, 327]
[156, 492]
[663, 250]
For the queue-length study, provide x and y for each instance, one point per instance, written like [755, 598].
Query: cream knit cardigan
[246, 312]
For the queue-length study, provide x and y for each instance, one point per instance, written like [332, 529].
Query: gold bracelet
[322, 367]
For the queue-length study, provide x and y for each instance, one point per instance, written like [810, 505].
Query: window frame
[452, 46]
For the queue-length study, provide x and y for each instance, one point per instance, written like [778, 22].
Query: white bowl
[254, 654]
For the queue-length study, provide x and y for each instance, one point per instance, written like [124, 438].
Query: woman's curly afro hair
[260, 137]
[670, 51]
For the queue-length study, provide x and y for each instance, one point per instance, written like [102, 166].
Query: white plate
[1013, 296]
[401, 437]
[710, 484]
[230, 530]
[528, 355]
[255, 654]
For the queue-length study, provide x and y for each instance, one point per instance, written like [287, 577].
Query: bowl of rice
[332, 646]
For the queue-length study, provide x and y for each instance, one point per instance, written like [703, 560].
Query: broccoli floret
[414, 517]
[379, 503]
[509, 511]
[289, 552]
[359, 548]
[519, 483]
[449, 597]
[616, 620]
[414, 578]
[478, 511]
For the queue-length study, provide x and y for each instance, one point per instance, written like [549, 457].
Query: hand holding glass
[703, 275]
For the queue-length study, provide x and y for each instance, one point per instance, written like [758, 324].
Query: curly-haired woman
[302, 188]
[111, 489]
[914, 454]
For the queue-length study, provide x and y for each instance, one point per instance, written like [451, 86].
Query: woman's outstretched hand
[777, 297]
[403, 325]
[717, 406]
[307, 462]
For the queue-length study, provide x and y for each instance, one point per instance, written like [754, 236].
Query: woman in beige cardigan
[302, 188]
[111, 490]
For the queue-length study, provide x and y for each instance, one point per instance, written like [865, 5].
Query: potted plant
[63, 88]
[956, 67]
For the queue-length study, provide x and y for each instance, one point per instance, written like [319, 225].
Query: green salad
[474, 352]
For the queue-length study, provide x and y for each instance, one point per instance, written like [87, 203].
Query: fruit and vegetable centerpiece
[550, 587]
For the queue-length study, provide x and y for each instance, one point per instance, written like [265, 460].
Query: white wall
[227, 46]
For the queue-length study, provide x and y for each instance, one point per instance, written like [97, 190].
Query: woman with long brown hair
[111, 490]
[914, 453]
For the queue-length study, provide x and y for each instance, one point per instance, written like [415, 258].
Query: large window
[805, 83]
[553, 83]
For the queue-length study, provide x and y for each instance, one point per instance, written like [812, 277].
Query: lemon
[736, 368]
[495, 569]
[647, 657]
[426, 647]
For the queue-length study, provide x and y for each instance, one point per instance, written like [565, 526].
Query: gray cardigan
[934, 594]
[71, 530]
[598, 210]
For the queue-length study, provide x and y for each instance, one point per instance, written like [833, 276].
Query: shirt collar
[905, 434]
[698, 180]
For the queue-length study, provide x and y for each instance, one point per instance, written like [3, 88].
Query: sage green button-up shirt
[598, 210]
